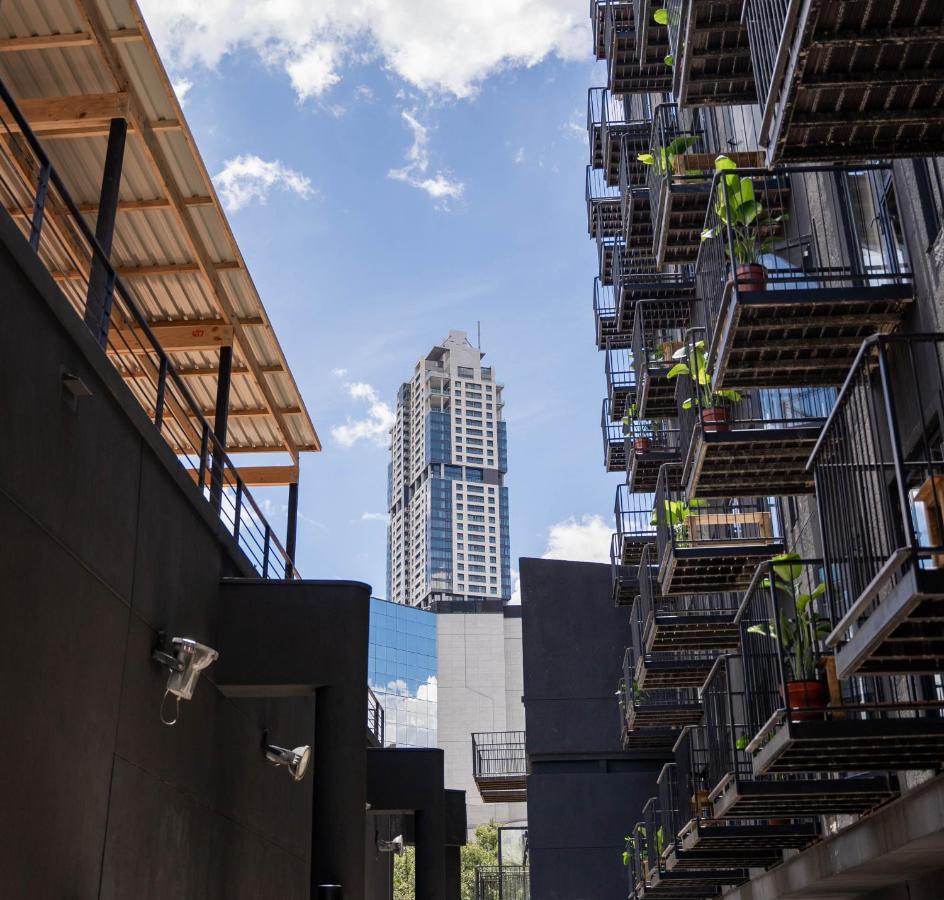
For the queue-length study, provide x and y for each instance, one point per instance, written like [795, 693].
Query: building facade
[448, 535]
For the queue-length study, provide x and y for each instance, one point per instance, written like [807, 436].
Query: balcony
[615, 124]
[666, 667]
[604, 209]
[802, 717]
[735, 792]
[879, 488]
[500, 766]
[640, 278]
[709, 45]
[605, 315]
[614, 443]
[634, 525]
[747, 443]
[848, 80]
[625, 578]
[627, 72]
[787, 300]
[710, 545]
[649, 444]
[502, 883]
[620, 381]
[659, 328]
[691, 622]
[680, 164]
[613, 256]
[698, 839]
[656, 707]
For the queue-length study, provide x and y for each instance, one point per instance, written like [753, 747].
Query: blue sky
[382, 196]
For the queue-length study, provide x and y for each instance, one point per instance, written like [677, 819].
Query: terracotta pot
[750, 277]
[778, 821]
[716, 418]
[808, 696]
[642, 444]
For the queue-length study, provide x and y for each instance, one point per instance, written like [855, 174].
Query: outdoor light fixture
[73, 388]
[186, 663]
[395, 846]
[296, 761]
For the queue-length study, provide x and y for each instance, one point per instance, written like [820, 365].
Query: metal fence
[502, 883]
[375, 717]
[499, 754]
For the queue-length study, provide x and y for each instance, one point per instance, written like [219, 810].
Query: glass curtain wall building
[402, 671]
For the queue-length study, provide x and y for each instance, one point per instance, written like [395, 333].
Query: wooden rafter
[192, 336]
[44, 113]
[59, 41]
[149, 271]
[129, 205]
[162, 170]
[202, 371]
[259, 476]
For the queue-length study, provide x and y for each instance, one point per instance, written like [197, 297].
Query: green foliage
[738, 209]
[663, 160]
[483, 851]
[661, 17]
[669, 60]
[694, 363]
[404, 875]
[677, 513]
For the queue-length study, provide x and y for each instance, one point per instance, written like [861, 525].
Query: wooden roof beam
[44, 113]
[259, 476]
[126, 205]
[149, 271]
[96, 129]
[201, 371]
[162, 169]
[61, 41]
[194, 336]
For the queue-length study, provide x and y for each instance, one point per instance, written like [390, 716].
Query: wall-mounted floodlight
[186, 663]
[296, 761]
[395, 846]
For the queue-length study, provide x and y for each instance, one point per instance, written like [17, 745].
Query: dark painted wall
[103, 540]
[584, 792]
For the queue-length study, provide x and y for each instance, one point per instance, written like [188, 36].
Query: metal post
[204, 444]
[220, 422]
[237, 511]
[291, 528]
[265, 551]
[39, 206]
[161, 391]
[96, 315]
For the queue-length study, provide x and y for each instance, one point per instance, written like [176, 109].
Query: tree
[404, 875]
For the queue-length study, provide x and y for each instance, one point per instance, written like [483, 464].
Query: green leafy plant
[742, 742]
[694, 363]
[661, 17]
[738, 209]
[798, 636]
[677, 513]
[663, 158]
[669, 60]
[627, 851]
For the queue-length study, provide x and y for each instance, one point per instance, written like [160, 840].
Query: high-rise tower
[448, 532]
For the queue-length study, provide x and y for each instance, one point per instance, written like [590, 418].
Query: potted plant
[663, 159]
[640, 430]
[715, 406]
[740, 213]
[677, 513]
[798, 636]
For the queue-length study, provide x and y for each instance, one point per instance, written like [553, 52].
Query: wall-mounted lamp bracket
[160, 655]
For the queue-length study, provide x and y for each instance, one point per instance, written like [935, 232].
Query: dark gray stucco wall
[584, 792]
[103, 540]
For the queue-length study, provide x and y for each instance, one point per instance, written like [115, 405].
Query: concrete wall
[480, 688]
[104, 541]
[584, 793]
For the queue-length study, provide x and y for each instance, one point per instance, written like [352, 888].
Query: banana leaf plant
[661, 17]
[738, 210]
[663, 159]
[677, 513]
[799, 635]
[694, 363]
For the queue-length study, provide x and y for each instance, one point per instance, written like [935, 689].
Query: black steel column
[339, 768]
[98, 299]
[430, 852]
[453, 873]
[220, 422]
[291, 528]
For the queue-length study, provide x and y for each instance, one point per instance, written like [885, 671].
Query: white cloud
[339, 373]
[516, 589]
[374, 427]
[182, 87]
[409, 720]
[375, 517]
[586, 539]
[247, 179]
[415, 172]
[438, 46]
[519, 156]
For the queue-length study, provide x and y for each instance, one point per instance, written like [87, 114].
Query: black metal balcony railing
[802, 717]
[627, 72]
[66, 244]
[649, 444]
[375, 717]
[502, 883]
[681, 158]
[605, 312]
[500, 765]
[603, 108]
[656, 707]
[614, 442]
[634, 524]
[625, 577]
[880, 491]
[614, 123]
[659, 329]
[736, 792]
[686, 622]
[797, 268]
[869, 86]
[709, 47]
[708, 545]
[745, 442]
[620, 380]
[613, 257]
[604, 209]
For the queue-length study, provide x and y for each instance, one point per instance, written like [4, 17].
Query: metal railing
[641, 622]
[770, 28]
[812, 228]
[659, 329]
[879, 473]
[60, 236]
[625, 579]
[604, 315]
[502, 883]
[499, 754]
[671, 141]
[725, 734]
[603, 205]
[644, 705]
[633, 512]
[375, 717]
[620, 379]
[613, 437]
